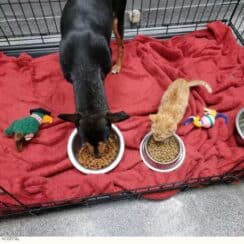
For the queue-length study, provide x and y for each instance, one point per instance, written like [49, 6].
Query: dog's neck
[89, 92]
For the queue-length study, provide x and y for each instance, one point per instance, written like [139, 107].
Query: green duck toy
[26, 128]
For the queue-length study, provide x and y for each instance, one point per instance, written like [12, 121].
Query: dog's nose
[96, 152]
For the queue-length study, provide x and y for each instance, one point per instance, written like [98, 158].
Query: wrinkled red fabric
[43, 172]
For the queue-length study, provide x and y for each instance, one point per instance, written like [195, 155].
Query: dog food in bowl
[87, 159]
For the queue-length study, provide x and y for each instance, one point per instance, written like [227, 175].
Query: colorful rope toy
[207, 120]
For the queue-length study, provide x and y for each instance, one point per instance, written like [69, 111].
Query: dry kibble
[87, 159]
[164, 151]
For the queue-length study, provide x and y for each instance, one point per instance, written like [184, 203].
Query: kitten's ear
[175, 128]
[153, 117]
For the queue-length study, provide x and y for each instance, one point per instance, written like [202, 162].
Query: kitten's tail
[200, 83]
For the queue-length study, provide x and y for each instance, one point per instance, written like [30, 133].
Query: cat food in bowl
[86, 162]
[164, 152]
[163, 156]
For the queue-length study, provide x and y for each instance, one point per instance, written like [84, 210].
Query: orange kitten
[173, 107]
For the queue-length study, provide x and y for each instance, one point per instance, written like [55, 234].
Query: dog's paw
[116, 69]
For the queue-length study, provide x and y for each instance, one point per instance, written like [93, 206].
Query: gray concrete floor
[213, 211]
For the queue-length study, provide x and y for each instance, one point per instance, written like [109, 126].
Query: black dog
[85, 57]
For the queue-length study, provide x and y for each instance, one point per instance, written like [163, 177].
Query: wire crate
[33, 26]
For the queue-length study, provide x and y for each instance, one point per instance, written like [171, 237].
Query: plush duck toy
[207, 120]
[26, 128]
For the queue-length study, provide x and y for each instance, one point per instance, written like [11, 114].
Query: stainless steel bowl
[74, 146]
[167, 162]
[240, 123]
[159, 166]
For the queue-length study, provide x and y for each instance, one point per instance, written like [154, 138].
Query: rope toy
[207, 120]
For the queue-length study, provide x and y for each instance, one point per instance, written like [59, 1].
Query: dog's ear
[153, 117]
[74, 118]
[116, 117]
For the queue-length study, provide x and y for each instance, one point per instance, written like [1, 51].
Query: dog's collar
[37, 117]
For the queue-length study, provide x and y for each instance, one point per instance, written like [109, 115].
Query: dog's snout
[96, 152]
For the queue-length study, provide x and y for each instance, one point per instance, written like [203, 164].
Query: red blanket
[42, 172]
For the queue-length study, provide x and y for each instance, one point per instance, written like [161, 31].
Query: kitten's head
[162, 126]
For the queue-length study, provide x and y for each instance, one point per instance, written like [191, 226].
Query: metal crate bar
[27, 23]
[237, 21]
[33, 26]
[20, 209]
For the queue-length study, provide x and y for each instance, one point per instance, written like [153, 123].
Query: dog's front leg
[118, 32]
